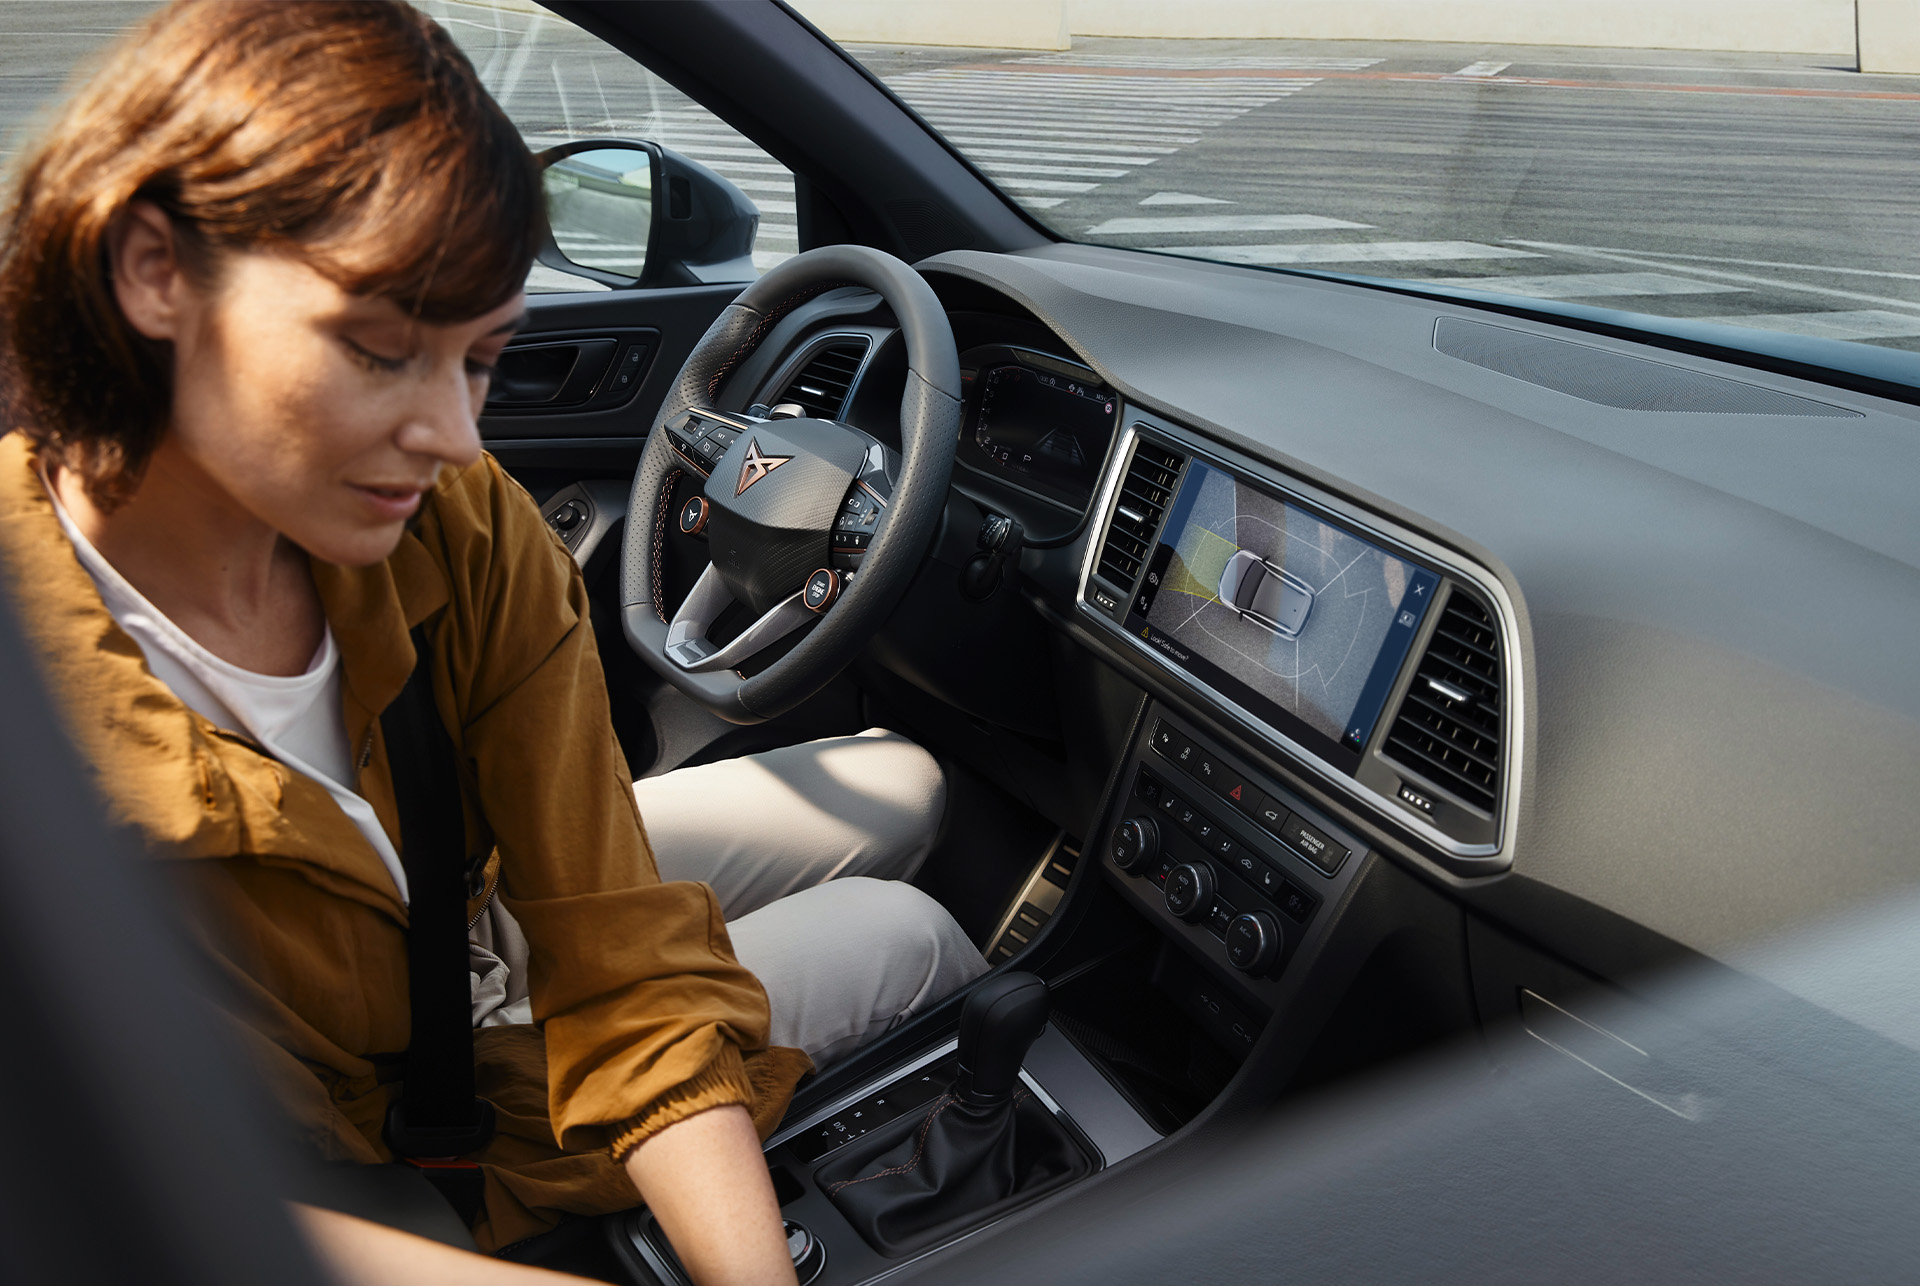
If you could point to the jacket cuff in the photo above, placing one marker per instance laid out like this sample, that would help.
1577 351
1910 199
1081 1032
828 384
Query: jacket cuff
721 1083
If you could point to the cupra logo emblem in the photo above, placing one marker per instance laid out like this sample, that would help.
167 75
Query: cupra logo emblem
757 466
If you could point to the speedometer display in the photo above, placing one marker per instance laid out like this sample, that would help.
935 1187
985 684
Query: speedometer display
1047 429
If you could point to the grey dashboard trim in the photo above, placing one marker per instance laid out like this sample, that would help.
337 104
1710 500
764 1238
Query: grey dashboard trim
1460 858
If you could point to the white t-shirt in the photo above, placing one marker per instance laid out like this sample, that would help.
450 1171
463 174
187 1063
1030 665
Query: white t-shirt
297 719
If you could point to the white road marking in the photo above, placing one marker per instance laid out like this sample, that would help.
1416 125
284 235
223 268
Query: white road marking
1045 185
1020 124
1867 323
1590 285
1050 150
1183 198
1483 69
542 280
1222 223
1078 171
1761 263
1177 62
1042 202
1350 252
1718 274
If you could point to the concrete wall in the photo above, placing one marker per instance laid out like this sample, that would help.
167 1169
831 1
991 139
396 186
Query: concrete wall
1791 26
1890 35
1800 26
995 24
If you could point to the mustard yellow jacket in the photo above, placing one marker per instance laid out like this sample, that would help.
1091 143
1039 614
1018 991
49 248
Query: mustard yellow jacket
642 1016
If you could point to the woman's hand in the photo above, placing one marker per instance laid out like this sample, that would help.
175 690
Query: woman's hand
706 1181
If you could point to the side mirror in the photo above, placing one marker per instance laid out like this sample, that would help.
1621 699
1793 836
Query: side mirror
638 214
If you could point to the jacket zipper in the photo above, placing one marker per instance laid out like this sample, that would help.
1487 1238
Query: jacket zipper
492 887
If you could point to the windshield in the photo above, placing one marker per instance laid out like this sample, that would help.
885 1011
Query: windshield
1759 189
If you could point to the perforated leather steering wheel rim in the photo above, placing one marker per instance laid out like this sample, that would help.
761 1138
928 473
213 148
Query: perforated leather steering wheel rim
930 409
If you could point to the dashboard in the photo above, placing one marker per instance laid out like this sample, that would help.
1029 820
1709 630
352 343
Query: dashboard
1576 601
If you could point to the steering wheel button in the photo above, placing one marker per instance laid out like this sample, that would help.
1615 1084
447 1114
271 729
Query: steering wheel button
693 515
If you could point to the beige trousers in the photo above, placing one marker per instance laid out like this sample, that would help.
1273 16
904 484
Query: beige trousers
808 849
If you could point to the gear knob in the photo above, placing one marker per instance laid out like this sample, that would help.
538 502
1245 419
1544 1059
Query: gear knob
1002 1018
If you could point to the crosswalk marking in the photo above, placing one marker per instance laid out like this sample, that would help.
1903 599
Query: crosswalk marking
1183 198
1042 185
1350 252
1865 323
1483 69
1046 137
1591 285
1221 223
1183 62
1116 154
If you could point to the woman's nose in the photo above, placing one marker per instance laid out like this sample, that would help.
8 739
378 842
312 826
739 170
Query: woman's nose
445 418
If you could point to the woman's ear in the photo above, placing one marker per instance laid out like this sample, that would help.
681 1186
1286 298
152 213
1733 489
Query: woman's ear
149 280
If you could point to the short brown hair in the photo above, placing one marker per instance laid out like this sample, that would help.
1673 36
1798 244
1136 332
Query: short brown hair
352 133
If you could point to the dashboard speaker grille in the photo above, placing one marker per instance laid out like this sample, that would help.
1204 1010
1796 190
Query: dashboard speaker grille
1145 492
1614 379
823 383
1447 730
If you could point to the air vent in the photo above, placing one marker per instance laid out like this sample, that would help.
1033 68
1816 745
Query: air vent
823 383
1448 726
1145 492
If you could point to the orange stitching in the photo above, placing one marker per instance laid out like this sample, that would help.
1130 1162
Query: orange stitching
939 1107
660 542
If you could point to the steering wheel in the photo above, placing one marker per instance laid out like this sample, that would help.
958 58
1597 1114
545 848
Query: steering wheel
809 523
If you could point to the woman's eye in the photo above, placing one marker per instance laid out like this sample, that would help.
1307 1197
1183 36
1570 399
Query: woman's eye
374 361
478 369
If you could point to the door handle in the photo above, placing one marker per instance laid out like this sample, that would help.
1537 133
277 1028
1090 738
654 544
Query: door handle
558 374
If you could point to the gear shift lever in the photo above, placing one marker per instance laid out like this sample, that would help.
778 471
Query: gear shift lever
1002 1018
978 1151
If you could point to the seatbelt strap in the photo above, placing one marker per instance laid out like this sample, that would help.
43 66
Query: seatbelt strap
437 1116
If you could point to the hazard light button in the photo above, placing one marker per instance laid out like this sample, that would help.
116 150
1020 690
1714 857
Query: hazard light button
1237 791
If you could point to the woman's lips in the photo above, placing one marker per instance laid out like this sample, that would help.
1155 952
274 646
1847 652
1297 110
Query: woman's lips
394 504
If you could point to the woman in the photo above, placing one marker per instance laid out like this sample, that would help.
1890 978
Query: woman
253 282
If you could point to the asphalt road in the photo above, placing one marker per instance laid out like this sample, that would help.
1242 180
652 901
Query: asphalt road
1770 190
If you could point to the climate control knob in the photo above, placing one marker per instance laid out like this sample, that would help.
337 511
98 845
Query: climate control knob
1136 843
1190 888
1253 941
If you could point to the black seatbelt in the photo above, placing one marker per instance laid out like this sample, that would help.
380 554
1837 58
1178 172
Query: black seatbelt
437 1116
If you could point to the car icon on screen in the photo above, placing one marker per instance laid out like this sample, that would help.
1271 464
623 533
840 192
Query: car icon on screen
1265 594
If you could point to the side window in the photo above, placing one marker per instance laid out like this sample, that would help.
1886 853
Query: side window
559 84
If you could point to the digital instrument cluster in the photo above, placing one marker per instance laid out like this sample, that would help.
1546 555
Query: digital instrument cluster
1037 421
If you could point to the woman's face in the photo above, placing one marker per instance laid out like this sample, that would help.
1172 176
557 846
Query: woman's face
321 414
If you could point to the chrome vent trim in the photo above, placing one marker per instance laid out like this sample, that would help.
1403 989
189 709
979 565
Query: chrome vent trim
1146 489
824 383
1447 732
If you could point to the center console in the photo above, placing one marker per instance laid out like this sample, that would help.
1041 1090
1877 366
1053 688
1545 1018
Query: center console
1367 656
1232 864
1062 1120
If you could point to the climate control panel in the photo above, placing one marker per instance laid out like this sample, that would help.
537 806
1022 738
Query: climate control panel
1235 864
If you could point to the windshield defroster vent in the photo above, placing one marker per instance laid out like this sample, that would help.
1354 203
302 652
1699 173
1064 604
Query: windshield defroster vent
1448 726
1145 493
823 383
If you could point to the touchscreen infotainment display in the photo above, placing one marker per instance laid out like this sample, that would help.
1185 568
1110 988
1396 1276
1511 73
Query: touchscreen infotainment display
1298 620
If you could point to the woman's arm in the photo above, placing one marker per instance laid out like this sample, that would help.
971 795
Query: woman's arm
704 1178
706 1181
358 1253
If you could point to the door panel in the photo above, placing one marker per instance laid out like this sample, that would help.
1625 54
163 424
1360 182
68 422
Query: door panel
651 331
